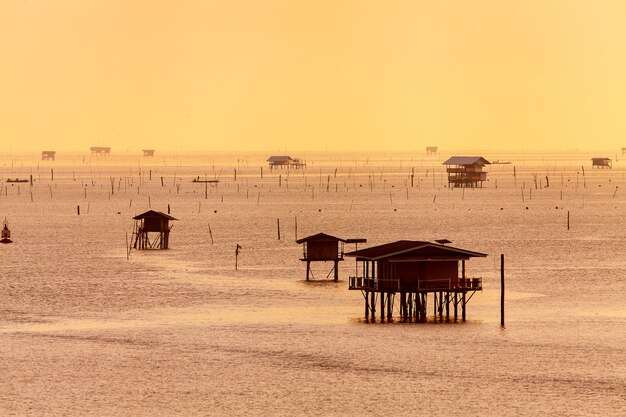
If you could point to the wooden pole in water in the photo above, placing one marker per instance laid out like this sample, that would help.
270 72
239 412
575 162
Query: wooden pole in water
278 225
502 290
567 219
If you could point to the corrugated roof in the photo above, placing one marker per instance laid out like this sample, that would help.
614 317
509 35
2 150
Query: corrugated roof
152 213
467 160
413 248
319 237
279 158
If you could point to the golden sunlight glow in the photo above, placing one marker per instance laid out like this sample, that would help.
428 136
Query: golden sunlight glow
312 75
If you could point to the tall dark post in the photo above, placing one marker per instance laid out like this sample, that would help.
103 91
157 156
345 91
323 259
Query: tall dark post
502 290
336 270
308 268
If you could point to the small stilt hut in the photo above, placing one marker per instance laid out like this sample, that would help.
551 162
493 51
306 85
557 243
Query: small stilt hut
48 155
431 150
100 150
412 270
153 222
148 152
322 248
601 163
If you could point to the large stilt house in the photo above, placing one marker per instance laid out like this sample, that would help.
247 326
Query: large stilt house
412 270
466 171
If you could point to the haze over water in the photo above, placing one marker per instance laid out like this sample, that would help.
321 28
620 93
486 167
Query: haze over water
86 331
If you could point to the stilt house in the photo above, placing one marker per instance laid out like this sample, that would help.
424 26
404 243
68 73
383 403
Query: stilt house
601 163
152 230
284 161
48 155
148 152
411 270
431 150
100 150
466 171
322 248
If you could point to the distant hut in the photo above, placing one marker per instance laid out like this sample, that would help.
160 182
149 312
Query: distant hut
48 155
323 247
279 161
412 270
601 163
466 171
623 151
297 163
148 152
153 222
100 150
431 150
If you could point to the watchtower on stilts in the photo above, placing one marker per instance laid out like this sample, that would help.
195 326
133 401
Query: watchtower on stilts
323 247
411 270
155 223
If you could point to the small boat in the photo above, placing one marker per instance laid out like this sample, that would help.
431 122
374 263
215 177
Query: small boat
6 233
17 180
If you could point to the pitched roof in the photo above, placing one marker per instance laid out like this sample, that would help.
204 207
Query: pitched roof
319 237
152 213
467 160
279 158
413 248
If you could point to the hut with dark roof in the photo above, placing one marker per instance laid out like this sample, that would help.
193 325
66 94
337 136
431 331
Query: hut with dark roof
148 152
152 230
323 248
48 155
431 150
279 161
601 163
412 270
100 150
466 171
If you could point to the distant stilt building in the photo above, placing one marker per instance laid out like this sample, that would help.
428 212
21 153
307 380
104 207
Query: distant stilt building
601 163
322 248
152 230
623 151
284 161
466 171
148 152
48 155
431 150
410 271
100 150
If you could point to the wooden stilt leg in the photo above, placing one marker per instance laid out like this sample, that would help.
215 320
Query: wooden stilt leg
402 302
382 307
447 306
367 307
336 271
389 306
373 305
410 306
463 307
456 312
308 268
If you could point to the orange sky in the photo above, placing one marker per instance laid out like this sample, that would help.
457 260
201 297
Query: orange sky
312 75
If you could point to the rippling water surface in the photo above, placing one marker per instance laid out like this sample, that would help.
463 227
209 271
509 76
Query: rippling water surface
84 331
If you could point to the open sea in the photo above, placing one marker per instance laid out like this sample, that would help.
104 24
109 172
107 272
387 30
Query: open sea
86 330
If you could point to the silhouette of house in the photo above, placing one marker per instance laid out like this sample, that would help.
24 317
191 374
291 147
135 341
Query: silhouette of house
100 150
48 155
412 270
148 152
601 163
152 230
466 171
431 150
282 161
